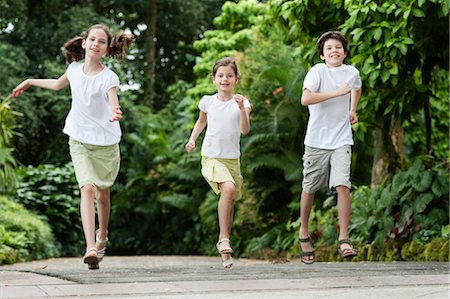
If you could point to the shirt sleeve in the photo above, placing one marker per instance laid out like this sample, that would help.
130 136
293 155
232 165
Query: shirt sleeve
113 81
312 79
69 70
356 79
203 105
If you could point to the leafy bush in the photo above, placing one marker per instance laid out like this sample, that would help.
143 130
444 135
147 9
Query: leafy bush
23 236
53 193
7 131
414 205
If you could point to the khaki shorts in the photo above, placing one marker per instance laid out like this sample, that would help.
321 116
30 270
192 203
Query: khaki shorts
326 168
216 171
95 165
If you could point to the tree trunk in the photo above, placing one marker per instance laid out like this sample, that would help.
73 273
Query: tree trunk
388 150
150 56
426 79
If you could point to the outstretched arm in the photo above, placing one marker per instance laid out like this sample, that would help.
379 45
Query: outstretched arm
53 84
309 97
354 100
200 124
114 102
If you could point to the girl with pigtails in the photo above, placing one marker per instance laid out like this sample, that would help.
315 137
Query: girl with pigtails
92 126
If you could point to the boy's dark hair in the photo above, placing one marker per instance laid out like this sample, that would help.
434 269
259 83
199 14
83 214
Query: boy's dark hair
331 35
73 50
226 61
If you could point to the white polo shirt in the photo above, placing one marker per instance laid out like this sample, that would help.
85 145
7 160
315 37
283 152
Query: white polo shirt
89 115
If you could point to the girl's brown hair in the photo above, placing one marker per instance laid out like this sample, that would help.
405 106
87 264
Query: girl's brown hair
226 61
73 50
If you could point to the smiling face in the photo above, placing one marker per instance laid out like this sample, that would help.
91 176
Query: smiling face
96 44
333 52
225 79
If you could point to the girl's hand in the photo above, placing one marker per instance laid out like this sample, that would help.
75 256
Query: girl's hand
20 88
116 114
190 146
240 101
353 117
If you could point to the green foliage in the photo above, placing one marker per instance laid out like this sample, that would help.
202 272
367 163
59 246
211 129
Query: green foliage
23 236
435 250
52 192
414 205
7 131
159 186
233 34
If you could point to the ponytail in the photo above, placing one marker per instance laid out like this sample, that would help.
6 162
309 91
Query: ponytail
73 50
118 45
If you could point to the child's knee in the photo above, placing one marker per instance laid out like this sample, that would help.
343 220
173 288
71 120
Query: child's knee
227 188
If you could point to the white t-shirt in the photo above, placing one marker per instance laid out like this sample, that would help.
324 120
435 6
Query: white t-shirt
329 124
89 115
223 132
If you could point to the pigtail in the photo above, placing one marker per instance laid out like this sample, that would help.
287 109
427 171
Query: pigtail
118 45
73 50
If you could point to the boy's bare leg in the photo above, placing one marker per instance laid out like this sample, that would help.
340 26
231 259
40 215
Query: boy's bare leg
87 212
225 212
344 206
306 202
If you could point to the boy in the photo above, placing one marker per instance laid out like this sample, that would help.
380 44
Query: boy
331 90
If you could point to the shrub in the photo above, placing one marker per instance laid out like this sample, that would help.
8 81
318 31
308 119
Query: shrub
53 193
23 236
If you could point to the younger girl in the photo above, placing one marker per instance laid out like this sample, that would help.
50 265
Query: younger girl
227 116
92 126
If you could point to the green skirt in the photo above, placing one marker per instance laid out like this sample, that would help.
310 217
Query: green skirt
216 171
95 165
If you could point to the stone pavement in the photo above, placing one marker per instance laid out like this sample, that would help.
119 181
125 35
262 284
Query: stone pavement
203 277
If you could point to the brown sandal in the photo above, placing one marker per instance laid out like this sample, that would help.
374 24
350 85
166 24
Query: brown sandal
304 254
347 252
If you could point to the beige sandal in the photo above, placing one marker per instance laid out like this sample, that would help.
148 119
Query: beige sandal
91 259
224 247
100 252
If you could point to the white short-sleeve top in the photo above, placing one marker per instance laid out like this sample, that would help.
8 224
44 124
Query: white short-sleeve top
329 121
90 112
223 132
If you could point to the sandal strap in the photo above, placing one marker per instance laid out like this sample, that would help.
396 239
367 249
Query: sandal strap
97 239
307 253
227 263
345 241
305 240
89 250
224 249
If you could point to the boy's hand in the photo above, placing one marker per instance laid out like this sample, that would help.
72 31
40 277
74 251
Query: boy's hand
190 146
240 101
344 89
353 117
116 114
20 88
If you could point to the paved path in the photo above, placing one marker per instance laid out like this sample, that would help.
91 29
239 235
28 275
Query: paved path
203 277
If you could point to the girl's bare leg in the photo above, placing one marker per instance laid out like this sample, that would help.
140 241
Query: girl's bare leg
225 212
87 211
103 210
